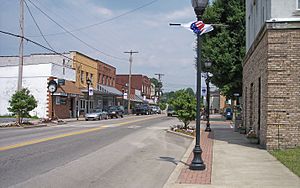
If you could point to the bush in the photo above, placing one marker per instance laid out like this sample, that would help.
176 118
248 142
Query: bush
185 106
21 103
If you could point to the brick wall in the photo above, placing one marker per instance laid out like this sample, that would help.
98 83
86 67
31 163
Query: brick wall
274 59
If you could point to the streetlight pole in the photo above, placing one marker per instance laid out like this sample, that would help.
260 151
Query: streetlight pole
129 79
197 162
207 80
88 82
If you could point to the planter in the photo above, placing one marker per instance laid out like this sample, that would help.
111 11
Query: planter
253 140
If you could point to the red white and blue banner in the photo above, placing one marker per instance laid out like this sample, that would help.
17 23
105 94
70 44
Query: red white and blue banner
199 27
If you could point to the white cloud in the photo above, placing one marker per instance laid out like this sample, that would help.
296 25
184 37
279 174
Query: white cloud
182 14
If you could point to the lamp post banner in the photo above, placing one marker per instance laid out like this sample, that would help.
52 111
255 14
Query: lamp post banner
198 27
91 91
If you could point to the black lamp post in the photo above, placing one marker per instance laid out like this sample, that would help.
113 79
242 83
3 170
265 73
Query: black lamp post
207 80
88 82
197 162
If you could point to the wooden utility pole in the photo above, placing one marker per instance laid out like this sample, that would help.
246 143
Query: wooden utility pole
160 75
129 79
21 47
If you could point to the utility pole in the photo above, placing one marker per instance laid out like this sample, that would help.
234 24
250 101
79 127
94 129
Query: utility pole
160 75
21 47
129 79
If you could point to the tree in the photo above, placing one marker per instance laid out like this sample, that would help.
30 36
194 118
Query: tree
225 46
185 106
21 103
158 85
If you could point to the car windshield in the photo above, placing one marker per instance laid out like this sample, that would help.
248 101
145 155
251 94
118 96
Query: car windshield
228 110
113 108
170 109
97 110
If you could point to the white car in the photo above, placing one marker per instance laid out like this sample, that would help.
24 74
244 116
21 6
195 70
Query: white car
97 114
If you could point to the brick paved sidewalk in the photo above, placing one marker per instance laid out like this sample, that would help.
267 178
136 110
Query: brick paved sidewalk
188 176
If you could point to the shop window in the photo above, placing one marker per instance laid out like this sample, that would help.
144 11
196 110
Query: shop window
57 100
82 104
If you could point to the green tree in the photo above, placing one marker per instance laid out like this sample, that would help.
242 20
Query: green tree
185 106
21 103
225 46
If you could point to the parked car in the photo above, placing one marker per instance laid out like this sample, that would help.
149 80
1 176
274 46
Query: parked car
96 114
155 110
143 109
171 111
228 113
115 111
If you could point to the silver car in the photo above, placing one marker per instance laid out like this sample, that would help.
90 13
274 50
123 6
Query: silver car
97 114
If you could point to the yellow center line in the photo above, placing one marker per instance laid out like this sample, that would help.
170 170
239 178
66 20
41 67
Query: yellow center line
35 141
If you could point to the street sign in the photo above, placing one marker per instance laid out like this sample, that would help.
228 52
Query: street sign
61 82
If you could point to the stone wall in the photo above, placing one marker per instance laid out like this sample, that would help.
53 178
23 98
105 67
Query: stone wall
271 86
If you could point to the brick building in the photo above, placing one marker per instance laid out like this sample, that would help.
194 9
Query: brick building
102 77
271 72
140 86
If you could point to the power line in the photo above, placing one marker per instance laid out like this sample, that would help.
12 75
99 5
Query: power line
88 45
42 46
106 21
37 25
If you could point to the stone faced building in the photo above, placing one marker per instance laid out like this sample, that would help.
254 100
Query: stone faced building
271 72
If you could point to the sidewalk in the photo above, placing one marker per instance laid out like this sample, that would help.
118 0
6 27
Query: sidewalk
231 162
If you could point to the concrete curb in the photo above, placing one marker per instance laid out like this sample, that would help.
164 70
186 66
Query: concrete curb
180 134
171 182
35 126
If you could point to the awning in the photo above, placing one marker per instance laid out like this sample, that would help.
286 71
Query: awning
108 90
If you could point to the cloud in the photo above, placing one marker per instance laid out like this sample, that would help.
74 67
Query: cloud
182 14
103 11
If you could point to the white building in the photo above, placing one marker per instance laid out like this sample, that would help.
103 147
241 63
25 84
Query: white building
37 70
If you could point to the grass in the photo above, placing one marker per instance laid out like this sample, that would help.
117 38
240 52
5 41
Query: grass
7 116
290 158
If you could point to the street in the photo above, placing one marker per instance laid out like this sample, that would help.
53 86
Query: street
135 151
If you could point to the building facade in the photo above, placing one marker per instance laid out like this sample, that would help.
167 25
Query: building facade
72 72
271 72
38 69
102 82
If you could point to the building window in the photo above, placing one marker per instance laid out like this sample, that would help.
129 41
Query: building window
91 78
298 4
64 67
81 76
251 105
86 76
103 80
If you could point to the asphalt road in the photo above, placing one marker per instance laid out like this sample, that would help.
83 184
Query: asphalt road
131 152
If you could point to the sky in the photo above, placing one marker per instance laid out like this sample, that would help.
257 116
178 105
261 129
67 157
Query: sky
109 28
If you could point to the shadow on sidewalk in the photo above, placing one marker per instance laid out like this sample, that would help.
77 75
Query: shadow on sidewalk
228 135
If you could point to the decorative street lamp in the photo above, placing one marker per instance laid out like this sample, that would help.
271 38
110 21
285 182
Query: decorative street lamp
207 80
197 162
52 87
88 82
